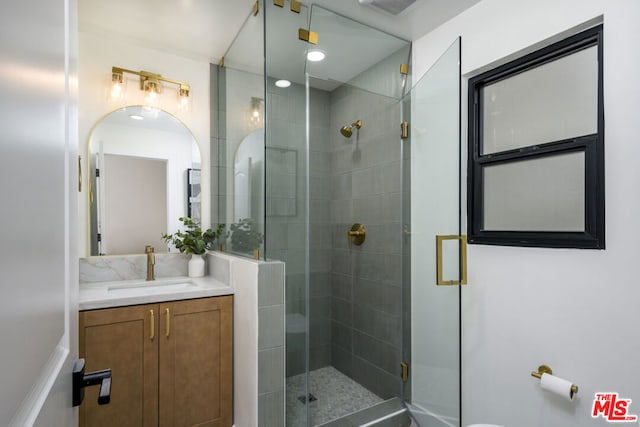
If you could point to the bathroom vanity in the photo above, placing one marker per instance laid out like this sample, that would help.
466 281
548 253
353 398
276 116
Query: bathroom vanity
174 368
169 345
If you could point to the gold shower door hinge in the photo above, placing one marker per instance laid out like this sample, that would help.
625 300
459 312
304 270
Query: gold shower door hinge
404 69
404 130
404 371
279 3
256 8
308 36
295 6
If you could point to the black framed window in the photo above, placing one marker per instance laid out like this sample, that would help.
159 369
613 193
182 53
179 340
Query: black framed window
536 148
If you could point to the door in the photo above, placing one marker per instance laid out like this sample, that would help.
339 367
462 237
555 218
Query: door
432 245
38 186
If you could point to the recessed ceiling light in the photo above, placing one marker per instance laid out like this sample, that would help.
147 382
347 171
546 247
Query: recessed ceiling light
315 55
283 83
136 117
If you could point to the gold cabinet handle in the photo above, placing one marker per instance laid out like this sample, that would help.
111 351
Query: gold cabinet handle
152 332
168 322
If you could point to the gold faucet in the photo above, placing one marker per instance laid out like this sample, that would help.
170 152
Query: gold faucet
151 262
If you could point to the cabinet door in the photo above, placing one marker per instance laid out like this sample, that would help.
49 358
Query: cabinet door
196 377
125 340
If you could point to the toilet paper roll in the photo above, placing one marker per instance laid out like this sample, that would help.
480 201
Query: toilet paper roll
556 385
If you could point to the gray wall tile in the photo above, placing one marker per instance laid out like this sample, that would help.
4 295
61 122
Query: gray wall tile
271 409
272 284
366 280
271 370
271 326
355 293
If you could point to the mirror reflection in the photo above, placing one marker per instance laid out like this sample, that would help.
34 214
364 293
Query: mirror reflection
144 167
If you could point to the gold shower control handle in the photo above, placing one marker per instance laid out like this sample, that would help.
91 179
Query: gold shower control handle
357 234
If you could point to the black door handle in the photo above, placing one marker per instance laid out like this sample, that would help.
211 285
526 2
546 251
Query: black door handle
82 380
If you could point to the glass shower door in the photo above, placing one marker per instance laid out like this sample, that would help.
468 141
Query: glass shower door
433 249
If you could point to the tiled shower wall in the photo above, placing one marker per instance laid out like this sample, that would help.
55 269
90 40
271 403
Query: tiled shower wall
366 292
355 292
286 234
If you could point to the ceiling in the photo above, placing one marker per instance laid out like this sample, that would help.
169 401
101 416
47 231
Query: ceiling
204 29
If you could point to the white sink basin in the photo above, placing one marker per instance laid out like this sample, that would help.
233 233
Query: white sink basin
150 288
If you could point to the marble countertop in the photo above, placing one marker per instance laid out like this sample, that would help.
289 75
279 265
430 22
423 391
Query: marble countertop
133 292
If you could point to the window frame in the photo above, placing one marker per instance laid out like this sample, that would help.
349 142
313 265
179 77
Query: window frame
593 236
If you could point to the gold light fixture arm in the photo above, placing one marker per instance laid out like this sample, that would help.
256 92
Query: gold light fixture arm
145 76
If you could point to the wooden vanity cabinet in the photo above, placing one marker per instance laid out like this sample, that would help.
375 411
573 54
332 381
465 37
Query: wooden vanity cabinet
119 338
196 357
171 363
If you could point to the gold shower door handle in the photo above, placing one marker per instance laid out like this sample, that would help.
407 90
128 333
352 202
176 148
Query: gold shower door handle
463 260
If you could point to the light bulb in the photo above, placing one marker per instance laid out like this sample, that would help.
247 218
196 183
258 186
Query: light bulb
184 101
256 113
117 88
152 98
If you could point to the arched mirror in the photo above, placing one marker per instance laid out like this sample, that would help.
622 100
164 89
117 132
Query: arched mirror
144 167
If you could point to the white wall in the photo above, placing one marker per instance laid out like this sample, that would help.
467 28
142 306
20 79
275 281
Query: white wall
575 310
97 54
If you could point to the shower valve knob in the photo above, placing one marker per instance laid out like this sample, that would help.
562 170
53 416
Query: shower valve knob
357 234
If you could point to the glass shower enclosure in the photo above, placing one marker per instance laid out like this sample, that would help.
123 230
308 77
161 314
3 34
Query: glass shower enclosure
315 168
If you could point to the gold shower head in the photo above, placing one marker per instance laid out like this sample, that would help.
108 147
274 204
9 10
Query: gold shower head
347 130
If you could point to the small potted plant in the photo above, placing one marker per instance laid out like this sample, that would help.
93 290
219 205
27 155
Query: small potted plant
195 242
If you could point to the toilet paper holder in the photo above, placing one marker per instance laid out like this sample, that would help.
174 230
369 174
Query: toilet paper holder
544 369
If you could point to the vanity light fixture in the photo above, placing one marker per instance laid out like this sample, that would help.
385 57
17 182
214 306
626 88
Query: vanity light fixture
152 84
118 87
256 114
